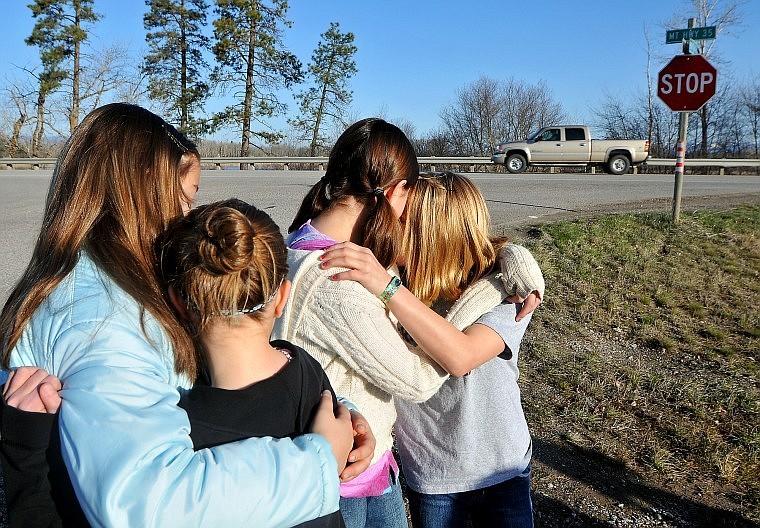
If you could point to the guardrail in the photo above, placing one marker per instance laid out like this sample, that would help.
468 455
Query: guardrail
34 163
252 162
723 163
321 162
429 162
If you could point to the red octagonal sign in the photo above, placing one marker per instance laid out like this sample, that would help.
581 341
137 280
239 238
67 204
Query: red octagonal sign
686 83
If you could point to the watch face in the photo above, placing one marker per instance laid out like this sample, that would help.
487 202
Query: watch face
393 285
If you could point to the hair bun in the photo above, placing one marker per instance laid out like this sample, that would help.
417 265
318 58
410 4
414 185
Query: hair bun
228 245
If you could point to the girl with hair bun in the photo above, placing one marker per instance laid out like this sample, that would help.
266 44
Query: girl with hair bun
224 265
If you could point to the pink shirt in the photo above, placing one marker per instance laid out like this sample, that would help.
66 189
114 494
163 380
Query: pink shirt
373 481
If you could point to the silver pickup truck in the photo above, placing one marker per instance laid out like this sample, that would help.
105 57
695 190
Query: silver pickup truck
570 145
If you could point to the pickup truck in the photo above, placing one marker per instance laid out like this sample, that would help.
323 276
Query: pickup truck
569 145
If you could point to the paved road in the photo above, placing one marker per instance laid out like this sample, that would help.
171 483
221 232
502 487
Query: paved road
513 199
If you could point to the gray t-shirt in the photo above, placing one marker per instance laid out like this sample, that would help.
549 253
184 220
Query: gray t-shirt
472 433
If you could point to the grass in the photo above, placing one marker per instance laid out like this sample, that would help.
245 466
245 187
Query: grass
646 348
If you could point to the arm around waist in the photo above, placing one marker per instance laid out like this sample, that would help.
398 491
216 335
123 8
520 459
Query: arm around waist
126 445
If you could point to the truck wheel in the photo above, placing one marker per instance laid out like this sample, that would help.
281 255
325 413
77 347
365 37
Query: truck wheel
516 163
618 164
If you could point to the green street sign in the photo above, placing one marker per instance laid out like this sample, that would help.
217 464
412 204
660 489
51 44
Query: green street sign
676 36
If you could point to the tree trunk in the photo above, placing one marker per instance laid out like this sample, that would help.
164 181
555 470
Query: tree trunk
320 111
17 126
39 128
650 96
247 100
703 116
74 112
183 72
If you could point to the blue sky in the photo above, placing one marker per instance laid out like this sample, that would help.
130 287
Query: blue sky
413 56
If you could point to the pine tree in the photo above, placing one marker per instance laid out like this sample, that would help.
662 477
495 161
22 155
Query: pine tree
59 33
332 65
175 64
253 65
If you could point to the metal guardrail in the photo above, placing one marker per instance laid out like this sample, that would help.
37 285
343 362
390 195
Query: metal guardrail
707 162
321 162
430 162
34 163
253 161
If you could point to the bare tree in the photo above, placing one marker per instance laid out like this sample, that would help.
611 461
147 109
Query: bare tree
104 73
488 111
435 143
18 101
615 118
749 100
650 96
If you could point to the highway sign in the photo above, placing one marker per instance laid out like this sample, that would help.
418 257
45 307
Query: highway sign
676 36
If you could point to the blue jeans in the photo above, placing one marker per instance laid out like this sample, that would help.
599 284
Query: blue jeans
506 505
383 511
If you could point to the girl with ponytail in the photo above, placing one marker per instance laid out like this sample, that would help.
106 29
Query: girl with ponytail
356 210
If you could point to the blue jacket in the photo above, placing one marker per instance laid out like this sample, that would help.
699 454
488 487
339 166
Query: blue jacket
125 441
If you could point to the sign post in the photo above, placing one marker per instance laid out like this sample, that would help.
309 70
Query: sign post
685 84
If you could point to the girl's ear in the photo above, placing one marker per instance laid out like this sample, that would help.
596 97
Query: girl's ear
281 298
176 299
397 196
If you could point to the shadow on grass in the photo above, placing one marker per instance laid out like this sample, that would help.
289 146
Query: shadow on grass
611 479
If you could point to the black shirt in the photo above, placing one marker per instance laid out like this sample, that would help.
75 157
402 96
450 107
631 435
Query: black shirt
39 492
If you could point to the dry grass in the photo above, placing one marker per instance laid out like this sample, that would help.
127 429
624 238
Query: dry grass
646 349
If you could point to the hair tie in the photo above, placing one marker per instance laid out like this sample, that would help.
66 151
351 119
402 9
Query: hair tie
174 139
326 188
378 191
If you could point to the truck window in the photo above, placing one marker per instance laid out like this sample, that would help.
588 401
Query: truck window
549 135
575 134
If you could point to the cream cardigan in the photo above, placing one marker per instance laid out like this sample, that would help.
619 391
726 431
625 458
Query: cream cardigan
349 331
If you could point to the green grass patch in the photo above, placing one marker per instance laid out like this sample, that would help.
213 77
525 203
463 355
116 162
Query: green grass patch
646 346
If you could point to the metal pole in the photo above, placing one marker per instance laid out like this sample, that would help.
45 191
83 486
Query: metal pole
683 127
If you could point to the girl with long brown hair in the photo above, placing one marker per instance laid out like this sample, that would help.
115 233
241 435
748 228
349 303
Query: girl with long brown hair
90 309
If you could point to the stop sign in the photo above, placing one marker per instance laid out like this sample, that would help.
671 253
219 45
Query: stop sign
686 83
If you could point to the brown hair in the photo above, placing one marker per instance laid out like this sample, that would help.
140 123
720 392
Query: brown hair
116 185
370 155
224 259
446 238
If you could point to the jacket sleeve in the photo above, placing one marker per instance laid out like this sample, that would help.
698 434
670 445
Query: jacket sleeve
126 444
25 439
368 341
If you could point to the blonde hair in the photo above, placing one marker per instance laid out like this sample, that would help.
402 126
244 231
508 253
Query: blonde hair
225 259
446 239
116 185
